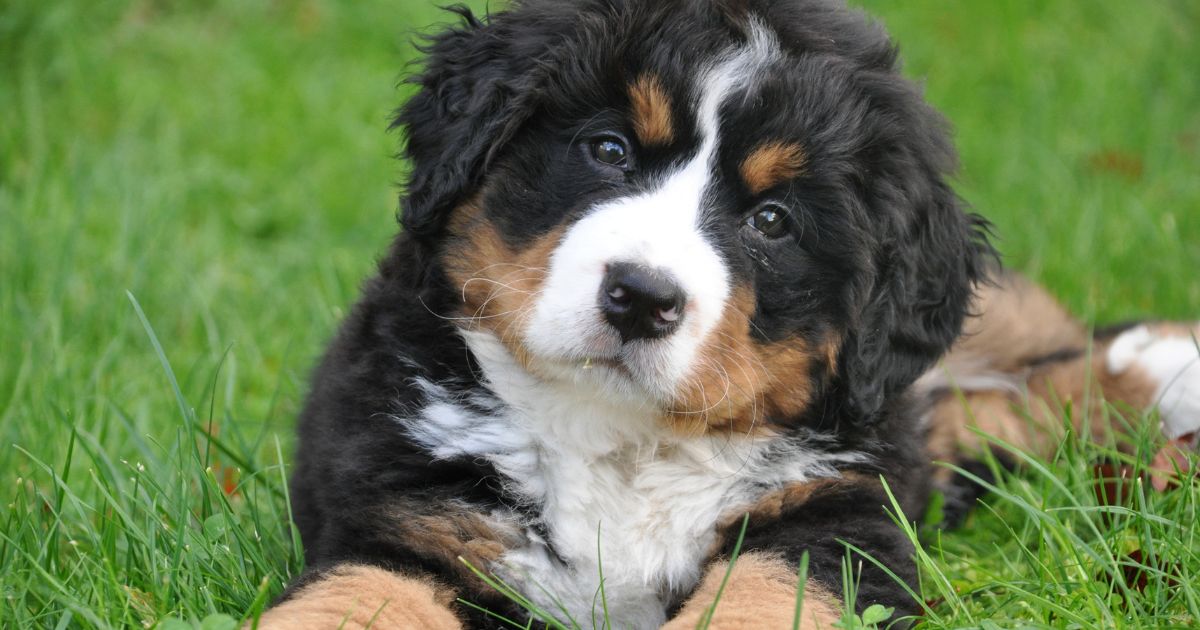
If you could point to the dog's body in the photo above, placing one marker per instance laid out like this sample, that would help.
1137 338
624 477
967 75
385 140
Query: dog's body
666 264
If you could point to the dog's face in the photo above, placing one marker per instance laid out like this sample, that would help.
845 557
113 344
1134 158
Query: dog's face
729 210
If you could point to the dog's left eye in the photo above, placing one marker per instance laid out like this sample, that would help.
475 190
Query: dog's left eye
611 150
770 219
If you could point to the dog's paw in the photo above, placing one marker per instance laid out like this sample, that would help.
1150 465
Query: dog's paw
1169 355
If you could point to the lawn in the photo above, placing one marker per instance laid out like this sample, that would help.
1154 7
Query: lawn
192 190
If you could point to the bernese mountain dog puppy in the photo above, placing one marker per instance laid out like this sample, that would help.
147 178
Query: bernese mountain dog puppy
663 265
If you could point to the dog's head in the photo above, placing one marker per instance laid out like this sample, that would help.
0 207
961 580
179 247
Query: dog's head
731 209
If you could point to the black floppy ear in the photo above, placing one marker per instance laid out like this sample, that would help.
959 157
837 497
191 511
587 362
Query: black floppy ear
927 253
925 278
475 91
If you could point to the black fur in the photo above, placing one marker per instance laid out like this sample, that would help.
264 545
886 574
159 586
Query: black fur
882 255
352 459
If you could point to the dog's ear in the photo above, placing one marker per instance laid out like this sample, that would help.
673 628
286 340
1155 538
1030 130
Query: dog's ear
914 310
475 92
928 258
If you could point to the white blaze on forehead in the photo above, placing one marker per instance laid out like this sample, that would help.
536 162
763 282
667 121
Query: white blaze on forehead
660 228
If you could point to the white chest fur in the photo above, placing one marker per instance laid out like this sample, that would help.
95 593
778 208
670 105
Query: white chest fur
614 488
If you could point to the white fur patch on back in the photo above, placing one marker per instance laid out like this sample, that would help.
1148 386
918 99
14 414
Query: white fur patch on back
1173 362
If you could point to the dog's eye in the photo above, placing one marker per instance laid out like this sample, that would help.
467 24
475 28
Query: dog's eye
611 150
770 219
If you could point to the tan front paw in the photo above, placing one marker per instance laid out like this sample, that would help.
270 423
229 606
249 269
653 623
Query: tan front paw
355 596
760 593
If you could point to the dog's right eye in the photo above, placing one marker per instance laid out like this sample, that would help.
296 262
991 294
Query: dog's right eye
611 150
770 220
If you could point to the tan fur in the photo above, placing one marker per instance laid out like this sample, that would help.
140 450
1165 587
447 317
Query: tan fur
771 164
739 382
355 596
450 535
1087 384
774 504
498 285
652 119
1014 321
1184 330
760 593
1017 323
998 414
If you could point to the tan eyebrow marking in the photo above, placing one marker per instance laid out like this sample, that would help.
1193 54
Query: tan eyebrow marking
772 163
652 120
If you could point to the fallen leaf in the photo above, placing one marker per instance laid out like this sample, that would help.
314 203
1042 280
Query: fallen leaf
1123 163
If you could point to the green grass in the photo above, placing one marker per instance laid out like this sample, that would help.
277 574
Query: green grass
225 163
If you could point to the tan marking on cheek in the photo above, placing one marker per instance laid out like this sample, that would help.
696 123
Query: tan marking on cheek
652 119
772 164
738 383
789 364
498 286
725 388
759 593
357 596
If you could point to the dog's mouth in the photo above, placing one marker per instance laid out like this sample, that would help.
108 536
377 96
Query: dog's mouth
607 368
644 369
624 360
591 363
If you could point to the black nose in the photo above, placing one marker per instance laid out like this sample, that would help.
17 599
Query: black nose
639 302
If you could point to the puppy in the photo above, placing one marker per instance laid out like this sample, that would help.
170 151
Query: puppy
666 266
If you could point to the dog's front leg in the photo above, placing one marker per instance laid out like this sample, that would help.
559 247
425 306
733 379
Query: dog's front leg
760 593
819 518
358 596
